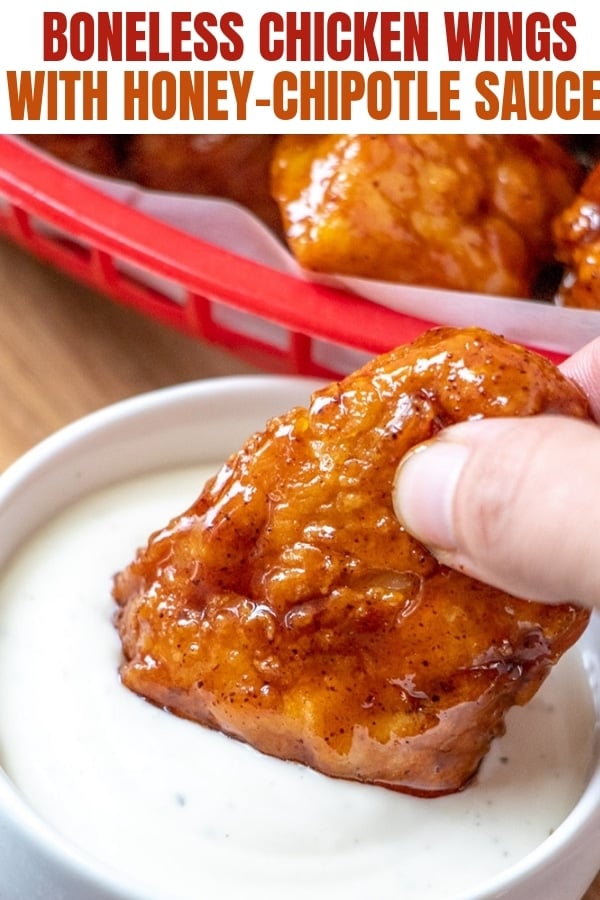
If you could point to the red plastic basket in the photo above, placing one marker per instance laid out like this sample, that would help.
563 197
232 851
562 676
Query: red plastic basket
92 237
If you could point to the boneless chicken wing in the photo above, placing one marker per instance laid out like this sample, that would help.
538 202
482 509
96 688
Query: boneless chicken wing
289 608
577 233
467 212
230 166
98 153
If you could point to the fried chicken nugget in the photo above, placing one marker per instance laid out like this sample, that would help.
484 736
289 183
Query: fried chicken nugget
467 212
289 608
577 234
97 153
232 166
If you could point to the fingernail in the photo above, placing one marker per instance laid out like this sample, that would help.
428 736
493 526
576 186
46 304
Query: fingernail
424 490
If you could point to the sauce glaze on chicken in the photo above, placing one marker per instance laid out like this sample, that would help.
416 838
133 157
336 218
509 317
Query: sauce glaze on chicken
288 608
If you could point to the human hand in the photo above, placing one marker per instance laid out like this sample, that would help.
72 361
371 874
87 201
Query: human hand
514 502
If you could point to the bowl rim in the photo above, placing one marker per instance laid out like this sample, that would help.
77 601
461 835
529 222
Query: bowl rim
584 815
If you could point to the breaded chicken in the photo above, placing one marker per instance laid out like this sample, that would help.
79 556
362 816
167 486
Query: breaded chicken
97 153
466 212
231 166
577 234
289 608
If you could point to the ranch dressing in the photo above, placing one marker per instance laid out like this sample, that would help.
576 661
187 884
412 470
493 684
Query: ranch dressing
184 812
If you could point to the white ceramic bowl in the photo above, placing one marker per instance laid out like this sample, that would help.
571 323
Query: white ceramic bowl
178 427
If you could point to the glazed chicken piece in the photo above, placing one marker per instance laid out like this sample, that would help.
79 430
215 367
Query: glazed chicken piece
231 166
577 234
466 212
288 607
97 153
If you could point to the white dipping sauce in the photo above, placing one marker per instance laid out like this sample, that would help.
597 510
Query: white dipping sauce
185 812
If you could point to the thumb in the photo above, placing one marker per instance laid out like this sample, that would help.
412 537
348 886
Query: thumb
512 502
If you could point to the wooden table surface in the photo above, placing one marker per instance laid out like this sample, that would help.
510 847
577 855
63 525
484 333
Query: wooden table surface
65 351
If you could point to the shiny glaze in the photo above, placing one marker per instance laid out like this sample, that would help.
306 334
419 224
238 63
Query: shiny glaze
465 212
289 608
577 234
